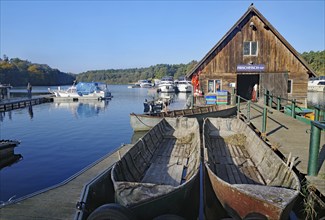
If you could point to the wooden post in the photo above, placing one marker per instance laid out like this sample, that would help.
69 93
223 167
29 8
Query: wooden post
233 96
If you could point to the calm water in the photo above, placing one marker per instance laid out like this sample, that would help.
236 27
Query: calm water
60 139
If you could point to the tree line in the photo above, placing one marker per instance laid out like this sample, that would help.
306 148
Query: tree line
125 76
17 72
316 60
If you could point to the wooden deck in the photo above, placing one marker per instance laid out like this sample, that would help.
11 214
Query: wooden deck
59 202
291 136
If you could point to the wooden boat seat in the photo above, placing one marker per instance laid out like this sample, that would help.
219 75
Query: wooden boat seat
169 164
232 163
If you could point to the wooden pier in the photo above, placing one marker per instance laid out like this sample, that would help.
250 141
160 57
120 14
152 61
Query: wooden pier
59 202
291 138
11 104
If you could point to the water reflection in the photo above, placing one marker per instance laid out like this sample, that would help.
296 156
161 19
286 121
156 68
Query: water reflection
30 111
84 108
137 135
7 155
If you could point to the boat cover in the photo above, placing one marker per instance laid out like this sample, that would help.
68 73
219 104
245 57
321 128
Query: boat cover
86 88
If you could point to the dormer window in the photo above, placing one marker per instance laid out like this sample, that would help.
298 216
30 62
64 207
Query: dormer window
250 48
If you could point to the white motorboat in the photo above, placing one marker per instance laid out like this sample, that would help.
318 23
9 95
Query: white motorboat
93 90
142 84
145 83
317 84
184 86
167 84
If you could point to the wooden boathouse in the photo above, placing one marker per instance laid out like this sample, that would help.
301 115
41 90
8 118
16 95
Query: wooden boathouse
253 55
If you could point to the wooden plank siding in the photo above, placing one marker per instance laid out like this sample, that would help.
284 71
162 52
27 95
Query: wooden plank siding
274 52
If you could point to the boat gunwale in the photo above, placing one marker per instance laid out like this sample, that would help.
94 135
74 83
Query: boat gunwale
169 113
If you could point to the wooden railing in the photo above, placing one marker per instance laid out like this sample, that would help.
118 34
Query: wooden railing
250 105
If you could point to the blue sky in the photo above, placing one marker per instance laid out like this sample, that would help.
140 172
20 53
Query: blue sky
76 36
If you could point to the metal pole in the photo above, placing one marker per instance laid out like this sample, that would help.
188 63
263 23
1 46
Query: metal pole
238 106
278 106
293 108
270 100
313 150
248 111
265 96
317 111
264 121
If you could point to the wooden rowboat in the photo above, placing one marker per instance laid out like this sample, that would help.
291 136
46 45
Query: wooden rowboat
144 122
248 178
159 175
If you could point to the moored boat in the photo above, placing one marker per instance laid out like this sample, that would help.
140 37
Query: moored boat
184 86
166 85
93 90
144 122
153 105
159 175
146 83
317 84
248 178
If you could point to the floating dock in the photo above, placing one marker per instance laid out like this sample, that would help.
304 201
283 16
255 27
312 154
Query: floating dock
76 99
11 104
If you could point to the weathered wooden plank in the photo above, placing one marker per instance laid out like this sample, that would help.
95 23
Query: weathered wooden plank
222 171
236 174
230 174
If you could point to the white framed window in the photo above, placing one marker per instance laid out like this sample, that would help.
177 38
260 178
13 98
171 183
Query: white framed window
289 90
250 48
214 85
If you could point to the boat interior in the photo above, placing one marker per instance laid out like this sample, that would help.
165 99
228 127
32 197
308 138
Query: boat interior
238 156
163 159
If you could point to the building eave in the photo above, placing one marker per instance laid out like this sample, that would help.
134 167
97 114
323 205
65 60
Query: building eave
254 11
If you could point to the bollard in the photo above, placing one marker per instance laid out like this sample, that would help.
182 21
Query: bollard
313 149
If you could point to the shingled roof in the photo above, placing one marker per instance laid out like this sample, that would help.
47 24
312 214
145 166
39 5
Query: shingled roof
251 12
